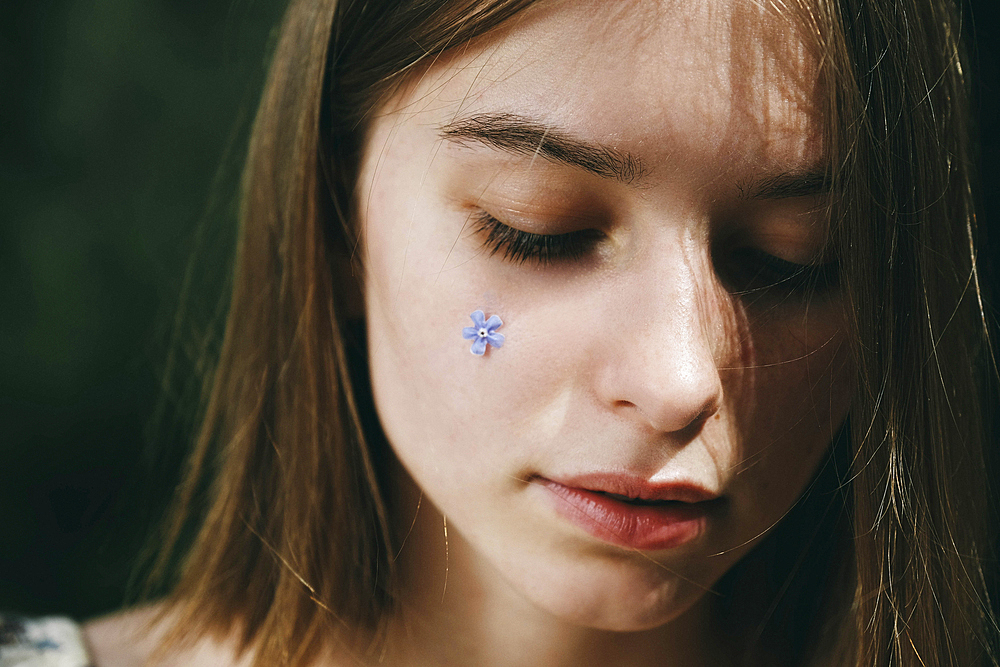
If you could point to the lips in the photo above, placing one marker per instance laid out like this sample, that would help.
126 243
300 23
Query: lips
631 512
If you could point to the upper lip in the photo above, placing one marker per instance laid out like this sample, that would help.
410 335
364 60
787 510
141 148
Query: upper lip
636 487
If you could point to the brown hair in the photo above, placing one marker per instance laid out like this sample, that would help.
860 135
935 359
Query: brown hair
918 471
294 547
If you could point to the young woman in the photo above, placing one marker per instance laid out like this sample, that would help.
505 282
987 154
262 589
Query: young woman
713 264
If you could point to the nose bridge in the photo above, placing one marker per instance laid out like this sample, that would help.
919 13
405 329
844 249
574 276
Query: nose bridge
669 369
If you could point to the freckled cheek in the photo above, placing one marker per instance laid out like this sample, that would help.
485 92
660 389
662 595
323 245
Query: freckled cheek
445 411
420 380
803 392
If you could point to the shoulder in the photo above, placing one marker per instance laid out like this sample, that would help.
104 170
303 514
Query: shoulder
131 639
124 639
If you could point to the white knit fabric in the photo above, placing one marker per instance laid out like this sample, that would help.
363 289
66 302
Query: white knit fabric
41 642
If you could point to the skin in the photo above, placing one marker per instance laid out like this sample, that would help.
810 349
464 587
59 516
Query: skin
640 356
637 356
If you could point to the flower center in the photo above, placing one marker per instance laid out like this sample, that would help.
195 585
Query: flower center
482 333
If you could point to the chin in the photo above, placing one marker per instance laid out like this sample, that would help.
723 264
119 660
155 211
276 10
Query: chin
621 598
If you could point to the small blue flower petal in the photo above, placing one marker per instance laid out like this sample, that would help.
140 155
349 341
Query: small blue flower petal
484 332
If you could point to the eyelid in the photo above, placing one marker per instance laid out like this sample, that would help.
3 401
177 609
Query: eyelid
775 274
778 262
519 246
796 239
543 220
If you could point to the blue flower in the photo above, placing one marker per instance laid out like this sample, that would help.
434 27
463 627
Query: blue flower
484 332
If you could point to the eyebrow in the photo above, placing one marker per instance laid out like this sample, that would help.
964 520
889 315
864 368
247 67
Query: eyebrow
524 136
786 185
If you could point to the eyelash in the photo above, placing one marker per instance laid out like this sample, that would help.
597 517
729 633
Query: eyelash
519 246
748 270
751 270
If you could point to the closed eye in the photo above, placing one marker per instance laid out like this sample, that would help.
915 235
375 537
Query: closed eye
518 246
750 270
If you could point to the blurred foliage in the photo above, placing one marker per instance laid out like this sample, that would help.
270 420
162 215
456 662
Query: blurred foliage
123 124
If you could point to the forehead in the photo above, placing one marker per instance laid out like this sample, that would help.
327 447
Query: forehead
684 82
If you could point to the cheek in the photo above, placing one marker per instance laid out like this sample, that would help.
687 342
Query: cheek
417 378
436 400
446 409
431 393
803 384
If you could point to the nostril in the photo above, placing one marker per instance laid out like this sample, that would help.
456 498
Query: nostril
672 416
668 376
702 418
712 402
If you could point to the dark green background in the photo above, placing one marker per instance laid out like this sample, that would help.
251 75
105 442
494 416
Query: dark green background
116 120
115 117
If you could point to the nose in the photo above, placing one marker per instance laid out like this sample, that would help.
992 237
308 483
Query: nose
663 368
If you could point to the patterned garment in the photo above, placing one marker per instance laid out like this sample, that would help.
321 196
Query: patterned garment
41 642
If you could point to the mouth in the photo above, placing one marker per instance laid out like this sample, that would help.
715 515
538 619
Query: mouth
637 501
632 513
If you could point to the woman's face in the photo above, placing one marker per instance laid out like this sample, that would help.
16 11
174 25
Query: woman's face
637 191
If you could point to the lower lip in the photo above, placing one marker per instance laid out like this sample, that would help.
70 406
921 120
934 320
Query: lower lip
645 527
